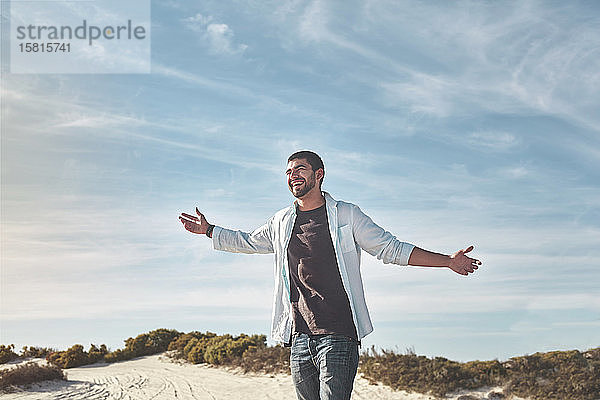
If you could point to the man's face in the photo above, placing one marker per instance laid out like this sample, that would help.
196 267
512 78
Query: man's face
301 178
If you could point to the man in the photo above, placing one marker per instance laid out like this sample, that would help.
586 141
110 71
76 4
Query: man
319 307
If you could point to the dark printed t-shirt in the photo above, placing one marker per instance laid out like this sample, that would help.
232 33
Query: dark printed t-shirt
319 302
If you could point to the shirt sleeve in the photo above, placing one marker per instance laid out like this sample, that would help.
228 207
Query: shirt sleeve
377 241
259 241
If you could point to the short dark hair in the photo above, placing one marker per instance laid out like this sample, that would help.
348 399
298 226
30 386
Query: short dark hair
312 158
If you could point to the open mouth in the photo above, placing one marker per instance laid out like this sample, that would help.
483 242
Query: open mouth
296 182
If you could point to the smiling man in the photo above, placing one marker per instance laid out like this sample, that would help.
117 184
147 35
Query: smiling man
319 307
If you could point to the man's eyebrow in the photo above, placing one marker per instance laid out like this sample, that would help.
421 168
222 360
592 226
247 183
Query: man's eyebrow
287 171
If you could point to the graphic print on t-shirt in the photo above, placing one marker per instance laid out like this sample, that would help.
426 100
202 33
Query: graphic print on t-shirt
319 302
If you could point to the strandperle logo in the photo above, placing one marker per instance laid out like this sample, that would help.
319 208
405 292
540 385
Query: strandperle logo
79 36
83 32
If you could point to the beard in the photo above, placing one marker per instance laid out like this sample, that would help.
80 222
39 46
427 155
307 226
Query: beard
302 190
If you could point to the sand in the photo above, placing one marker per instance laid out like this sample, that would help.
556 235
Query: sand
158 377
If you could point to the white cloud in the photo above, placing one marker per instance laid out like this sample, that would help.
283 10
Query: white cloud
197 22
219 37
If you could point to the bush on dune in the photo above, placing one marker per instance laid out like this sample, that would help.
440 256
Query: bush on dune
250 353
7 354
197 347
270 360
437 376
551 375
119 355
96 354
144 344
75 356
191 346
152 342
28 373
36 352
541 376
228 348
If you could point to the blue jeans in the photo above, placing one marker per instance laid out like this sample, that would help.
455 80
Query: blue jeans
323 366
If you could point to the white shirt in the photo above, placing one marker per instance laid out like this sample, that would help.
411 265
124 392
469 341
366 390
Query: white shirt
351 230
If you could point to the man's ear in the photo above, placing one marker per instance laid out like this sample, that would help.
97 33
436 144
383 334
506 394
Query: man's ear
319 174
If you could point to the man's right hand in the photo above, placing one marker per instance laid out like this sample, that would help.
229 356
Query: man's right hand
194 224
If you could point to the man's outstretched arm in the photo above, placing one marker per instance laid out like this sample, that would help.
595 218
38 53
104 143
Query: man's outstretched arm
257 241
459 262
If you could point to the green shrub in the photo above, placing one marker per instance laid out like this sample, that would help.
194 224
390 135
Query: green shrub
152 342
75 356
145 344
197 347
96 354
28 373
191 346
178 345
7 354
216 351
119 355
36 352
195 352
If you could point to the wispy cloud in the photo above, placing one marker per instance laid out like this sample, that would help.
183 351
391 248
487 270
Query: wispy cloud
522 63
422 95
112 126
493 140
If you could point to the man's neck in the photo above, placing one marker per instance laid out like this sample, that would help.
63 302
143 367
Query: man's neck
311 200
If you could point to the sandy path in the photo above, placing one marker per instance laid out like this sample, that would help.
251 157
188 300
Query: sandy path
157 377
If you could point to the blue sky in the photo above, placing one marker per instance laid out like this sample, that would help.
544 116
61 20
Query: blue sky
449 123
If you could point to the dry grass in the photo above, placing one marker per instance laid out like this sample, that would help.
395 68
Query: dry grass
437 376
556 375
270 360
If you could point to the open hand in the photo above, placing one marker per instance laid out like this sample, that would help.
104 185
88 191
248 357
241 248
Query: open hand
462 264
194 224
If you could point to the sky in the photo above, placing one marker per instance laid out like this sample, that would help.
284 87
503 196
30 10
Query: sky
448 123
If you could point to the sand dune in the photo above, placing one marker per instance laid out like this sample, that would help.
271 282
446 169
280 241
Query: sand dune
158 377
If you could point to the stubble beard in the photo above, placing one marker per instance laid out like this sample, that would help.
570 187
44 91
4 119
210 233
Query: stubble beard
309 184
